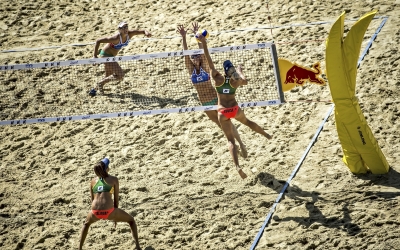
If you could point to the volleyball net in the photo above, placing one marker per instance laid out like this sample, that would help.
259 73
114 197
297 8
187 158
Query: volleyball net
157 83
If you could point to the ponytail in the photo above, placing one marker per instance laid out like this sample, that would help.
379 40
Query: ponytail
100 170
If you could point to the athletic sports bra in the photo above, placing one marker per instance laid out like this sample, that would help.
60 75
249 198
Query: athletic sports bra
226 87
102 187
120 45
198 78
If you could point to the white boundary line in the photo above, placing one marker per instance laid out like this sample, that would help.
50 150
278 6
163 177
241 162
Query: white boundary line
132 57
132 113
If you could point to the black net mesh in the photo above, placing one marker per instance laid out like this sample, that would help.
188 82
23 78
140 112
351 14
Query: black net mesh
147 84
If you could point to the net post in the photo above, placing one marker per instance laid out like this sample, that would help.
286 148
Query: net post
274 56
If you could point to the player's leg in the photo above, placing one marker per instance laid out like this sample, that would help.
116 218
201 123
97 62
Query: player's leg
213 115
118 72
241 117
243 150
119 215
90 219
114 72
227 127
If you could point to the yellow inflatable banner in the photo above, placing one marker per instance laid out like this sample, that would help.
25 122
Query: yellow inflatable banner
361 152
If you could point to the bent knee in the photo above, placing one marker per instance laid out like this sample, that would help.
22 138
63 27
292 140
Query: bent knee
131 221
231 145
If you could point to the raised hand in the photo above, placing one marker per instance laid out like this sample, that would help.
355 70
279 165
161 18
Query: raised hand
202 38
195 27
181 30
239 73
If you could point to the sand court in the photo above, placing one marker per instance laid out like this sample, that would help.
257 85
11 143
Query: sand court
176 175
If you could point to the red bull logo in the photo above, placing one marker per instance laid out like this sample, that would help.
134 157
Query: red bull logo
293 75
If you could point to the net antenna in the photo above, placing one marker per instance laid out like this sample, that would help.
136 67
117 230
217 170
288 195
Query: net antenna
269 20
149 84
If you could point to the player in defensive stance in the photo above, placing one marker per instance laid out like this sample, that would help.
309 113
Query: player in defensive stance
113 45
228 108
199 69
102 188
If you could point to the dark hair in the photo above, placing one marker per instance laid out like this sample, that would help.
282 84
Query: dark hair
100 169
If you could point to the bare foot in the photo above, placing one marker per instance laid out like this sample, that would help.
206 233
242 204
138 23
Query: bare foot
242 174
243 151
269 136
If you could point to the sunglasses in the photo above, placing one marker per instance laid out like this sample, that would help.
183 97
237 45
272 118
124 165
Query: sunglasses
124 28
194 56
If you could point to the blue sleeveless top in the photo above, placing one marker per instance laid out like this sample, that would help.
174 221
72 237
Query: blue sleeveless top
120 45
198 78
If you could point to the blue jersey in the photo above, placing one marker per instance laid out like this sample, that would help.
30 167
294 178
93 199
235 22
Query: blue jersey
198 78
120 45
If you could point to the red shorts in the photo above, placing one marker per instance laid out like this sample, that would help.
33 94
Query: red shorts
102 214
229 112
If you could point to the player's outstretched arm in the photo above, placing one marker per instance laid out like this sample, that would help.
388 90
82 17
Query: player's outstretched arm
91 192
239 76
195 28
110 39
214 72
182 31
139 32
116 193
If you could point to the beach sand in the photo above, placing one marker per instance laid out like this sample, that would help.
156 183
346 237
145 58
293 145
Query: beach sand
176 175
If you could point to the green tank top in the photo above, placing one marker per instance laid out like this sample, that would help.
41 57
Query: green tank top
226 87
102 187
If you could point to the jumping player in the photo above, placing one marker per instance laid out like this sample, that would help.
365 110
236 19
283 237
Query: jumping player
103 207
198 69
228 108
113 45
